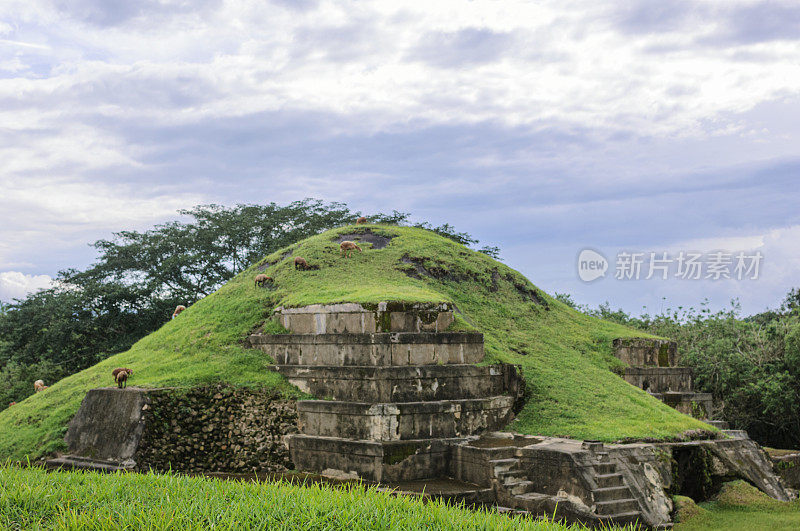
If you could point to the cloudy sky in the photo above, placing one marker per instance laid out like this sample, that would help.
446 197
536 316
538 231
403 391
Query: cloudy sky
543 127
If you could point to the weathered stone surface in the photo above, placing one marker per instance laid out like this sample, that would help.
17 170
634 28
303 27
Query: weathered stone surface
403 420
589 483
403 384
646 352
217 429
788 468
737 457
371 349
660 379
593 483
206 429
697 405
372 460
358 319
108 425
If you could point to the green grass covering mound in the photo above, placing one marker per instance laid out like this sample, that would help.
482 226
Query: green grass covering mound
739 505
565 355
34 499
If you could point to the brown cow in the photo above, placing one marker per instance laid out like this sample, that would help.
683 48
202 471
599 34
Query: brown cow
120 375
348 247
263 279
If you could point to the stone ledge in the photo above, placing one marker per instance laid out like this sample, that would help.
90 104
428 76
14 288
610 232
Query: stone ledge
379 461
403 384
646 352
379 338
356 318
660 379
404 420
371 349
689 402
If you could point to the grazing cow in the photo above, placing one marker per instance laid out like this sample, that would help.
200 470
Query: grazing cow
263 279
348 247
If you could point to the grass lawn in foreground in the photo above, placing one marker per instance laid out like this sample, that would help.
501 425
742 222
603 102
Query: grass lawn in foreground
33 498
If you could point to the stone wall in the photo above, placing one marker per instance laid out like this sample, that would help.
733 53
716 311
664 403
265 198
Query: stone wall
203 429
788 468
221 428
352 318
371 349
108 425
660 379
645 352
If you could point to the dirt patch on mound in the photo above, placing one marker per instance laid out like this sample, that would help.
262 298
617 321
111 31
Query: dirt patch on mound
267 263
442 273
378 241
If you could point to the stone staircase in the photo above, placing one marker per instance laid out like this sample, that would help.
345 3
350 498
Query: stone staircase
613 499
393 388
653 367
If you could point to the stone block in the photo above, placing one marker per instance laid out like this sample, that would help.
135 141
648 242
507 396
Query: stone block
403 421
379 461
403 384
646 352
660 379
350 318
371 349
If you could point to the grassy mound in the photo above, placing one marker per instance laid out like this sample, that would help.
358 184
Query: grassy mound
566 356
739 505
33 499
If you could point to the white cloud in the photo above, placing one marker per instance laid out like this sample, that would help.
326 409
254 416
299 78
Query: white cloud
16 285
113 114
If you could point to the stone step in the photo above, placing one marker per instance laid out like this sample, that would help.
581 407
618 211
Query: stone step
382 349
403 384
698 405
404 420
609 480
510 475
504 465
646 352
660 379
719 424
519 487
74 462
605 468
381 461
360 319
616 507
611 493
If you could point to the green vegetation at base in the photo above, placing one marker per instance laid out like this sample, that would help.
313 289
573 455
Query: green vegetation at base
32 498
565 355
739 505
